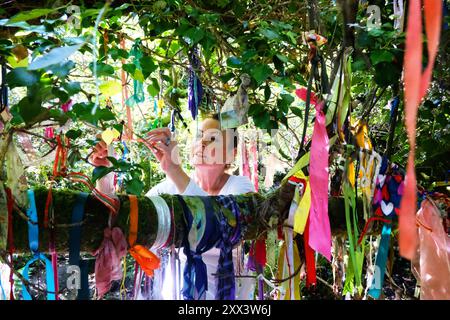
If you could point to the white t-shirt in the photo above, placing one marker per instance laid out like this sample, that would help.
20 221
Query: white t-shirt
235 185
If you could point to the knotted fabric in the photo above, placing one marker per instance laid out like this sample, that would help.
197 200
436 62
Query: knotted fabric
230 230
203 233
109 255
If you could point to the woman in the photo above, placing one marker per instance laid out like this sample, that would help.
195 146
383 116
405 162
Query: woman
211 155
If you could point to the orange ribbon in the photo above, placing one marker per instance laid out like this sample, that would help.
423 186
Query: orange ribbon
416 85
146 259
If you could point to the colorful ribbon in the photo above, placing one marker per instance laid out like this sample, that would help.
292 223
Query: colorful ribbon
416 85
203 233
33 238
320 232
230 230
75 243
146 259
195 89
109 255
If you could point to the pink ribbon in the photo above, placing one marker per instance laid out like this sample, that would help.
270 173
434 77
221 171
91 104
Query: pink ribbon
107 264
319 223
416 85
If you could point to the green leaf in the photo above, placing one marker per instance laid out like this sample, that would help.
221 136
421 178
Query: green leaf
30 108
255 109
100 172
134 186
269 34
267 93
148 66
103 69
110 88
234 62
379 56
72 87
74 134
21 77
61 70
297 112
226 77
153 89
194 34
28 15
129 67
54 56
260 73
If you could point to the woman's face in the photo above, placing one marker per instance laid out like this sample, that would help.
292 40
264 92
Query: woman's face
211 147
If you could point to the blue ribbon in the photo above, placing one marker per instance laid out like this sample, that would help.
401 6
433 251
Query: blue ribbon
75 243
33 239
380 264
195 272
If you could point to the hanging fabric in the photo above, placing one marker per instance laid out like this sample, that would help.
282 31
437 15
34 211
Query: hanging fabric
33 238
386 203
399 15
195 89
203 234
254 152
320 232
75 244
230 229
146 259
107 264
289 258
164 223
245 166
353 275
138 86
431 266
416 85
11 249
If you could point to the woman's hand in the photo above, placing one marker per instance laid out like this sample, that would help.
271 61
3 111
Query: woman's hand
164 149
99 156
166 152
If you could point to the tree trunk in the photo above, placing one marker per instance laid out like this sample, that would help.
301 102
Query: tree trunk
256 209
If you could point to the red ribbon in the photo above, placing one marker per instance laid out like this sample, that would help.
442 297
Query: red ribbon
310 259
416 85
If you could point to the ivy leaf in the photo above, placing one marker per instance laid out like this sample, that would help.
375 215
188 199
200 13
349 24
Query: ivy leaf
260 73
379 56
54 56
21 77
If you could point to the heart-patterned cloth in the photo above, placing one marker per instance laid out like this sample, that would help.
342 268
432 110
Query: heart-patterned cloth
388 191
